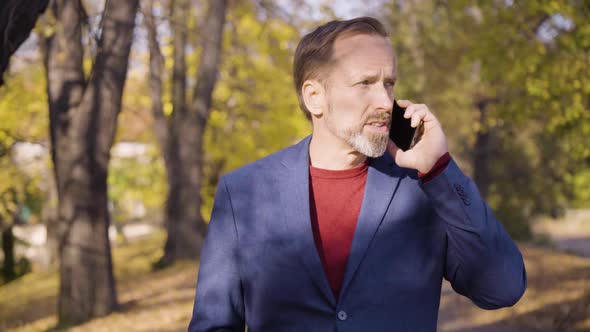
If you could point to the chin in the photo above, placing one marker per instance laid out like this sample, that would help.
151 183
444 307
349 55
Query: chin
375 154
372 148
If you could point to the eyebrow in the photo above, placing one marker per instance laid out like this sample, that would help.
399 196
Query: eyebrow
373 77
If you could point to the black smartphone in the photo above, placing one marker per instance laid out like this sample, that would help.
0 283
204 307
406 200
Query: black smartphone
401 131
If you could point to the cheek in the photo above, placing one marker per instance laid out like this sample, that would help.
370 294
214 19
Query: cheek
349 107
345 115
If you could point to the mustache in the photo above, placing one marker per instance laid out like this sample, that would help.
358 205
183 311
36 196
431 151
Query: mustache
379 117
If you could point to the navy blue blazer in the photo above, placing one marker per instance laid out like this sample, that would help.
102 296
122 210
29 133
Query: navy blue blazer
260 267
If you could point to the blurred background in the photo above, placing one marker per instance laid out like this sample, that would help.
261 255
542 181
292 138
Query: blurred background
117 119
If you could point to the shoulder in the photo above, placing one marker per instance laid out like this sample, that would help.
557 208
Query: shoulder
263 167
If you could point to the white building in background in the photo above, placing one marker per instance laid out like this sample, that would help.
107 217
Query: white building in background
31 156
35 238
130 150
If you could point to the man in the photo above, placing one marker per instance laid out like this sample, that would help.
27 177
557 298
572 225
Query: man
344 231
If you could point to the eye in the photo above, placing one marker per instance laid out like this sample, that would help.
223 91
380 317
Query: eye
389 84
365 82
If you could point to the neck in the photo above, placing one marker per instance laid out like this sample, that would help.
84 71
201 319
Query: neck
327 151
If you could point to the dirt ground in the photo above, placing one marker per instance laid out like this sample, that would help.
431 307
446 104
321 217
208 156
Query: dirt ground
459 314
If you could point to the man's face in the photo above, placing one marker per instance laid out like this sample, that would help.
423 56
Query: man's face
359 94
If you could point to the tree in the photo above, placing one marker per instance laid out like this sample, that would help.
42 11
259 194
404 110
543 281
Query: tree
181 135
83 114
499 76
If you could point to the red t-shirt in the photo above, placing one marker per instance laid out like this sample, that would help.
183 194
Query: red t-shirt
335 202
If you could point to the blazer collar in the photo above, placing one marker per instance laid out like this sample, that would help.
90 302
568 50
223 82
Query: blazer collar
382 183
296 207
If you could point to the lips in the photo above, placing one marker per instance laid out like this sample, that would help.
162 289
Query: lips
378 125
378 122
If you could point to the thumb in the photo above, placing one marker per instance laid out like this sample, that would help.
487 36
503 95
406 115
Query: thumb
402 158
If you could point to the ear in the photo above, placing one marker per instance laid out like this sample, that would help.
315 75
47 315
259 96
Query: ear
314 96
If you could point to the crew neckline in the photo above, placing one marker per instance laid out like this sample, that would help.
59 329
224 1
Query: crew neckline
339 174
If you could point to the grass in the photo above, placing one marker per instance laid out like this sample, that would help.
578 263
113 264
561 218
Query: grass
150 300
557 298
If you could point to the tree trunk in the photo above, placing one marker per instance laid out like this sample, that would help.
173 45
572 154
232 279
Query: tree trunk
173 213
185 225
165 136
8 267
83 115
482 151
156 71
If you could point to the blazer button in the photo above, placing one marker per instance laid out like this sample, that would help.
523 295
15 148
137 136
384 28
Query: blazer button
459 189
342 315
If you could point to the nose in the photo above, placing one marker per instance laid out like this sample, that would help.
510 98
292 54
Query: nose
384 98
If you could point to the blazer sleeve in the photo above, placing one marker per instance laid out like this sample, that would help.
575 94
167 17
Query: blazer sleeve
482 261
219 302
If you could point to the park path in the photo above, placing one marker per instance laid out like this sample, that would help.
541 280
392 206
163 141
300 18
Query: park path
459 314
570 233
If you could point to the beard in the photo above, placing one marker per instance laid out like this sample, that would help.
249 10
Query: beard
370 144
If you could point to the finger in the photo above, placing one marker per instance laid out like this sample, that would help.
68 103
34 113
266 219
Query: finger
411 109
404 103
418 116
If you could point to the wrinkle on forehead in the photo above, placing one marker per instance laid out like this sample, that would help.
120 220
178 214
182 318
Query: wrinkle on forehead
364 55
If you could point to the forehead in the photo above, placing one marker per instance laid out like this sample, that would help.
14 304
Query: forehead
363 54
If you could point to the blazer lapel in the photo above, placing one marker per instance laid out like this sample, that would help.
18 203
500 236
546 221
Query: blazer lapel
295 201
382 183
